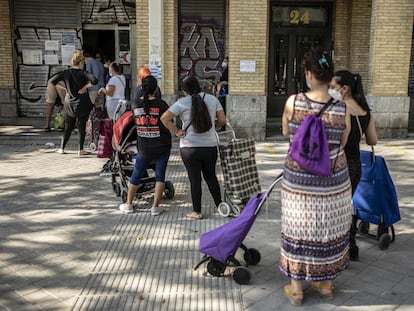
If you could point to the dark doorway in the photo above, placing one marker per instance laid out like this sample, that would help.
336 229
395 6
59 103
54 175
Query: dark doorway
294 29
102 41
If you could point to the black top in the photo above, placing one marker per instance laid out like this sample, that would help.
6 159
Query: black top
225 75
354 138
74 80
153 138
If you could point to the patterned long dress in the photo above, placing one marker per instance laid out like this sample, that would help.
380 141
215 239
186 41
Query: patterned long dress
316 210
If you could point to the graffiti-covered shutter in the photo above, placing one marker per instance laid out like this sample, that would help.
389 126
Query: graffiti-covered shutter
202 39
39 26
46 12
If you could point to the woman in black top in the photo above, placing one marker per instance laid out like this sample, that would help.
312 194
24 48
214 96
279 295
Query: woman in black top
77 104
347 87
153 142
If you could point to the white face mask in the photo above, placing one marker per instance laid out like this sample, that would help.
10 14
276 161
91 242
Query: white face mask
308 84
335 94
224 64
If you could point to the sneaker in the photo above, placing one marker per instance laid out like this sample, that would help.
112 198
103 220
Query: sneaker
82 153
194 215
126 208
60 151
155 211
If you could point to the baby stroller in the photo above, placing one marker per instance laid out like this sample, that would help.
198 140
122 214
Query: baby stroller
220 245
122 162
375 201
238 163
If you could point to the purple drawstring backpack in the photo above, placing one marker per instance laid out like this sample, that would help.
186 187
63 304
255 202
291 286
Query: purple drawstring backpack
309 147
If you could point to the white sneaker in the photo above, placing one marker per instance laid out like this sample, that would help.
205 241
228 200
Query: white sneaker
126 208
155 211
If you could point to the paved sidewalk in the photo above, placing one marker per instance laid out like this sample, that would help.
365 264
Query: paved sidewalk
65 246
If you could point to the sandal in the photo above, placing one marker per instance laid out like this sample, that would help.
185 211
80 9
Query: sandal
194 215
295 298
324 294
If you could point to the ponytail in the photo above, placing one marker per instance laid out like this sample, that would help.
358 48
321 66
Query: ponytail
358 93
200 116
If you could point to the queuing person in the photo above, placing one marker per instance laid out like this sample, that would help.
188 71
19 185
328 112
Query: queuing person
316 210
77 104
153 142
95 67
199 113
223 86
347 87
114 90
142 73
54 95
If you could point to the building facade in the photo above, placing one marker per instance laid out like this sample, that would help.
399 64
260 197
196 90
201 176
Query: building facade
264 41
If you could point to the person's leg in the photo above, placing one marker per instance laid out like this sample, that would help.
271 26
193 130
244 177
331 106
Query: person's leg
209 162
294 292
82 132
193 167
51 94
49 110
160 168
69 126
140 167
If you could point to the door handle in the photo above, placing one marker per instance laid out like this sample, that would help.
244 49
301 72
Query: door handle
294 68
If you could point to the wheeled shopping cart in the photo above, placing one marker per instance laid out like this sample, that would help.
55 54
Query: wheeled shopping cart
220 245
375 200
238 163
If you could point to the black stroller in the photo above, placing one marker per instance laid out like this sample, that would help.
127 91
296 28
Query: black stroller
122 161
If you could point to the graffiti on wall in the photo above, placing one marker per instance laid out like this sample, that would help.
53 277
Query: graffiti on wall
32 70
200 53
108 11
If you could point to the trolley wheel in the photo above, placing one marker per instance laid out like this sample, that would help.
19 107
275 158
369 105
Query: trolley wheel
241 275
363 227
116 188
224 209
252 256
215 268
235 210
384 241
169 190
93 146
124 196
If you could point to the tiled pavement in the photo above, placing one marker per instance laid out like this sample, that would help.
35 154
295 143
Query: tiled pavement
65 246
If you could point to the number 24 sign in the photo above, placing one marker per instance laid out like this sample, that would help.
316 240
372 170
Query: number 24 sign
297 17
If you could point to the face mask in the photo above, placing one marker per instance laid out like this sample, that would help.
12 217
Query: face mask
224 64
335 94
308 84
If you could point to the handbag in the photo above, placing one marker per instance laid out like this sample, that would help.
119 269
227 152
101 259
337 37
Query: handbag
309 147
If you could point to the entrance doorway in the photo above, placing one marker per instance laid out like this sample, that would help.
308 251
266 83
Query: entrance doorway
102 41
294 30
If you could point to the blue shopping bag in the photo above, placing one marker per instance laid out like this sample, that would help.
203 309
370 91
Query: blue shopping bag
375 199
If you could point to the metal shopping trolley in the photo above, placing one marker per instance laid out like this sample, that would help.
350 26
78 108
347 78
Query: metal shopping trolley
238 163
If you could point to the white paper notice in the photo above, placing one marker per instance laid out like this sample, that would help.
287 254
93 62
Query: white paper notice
51 59
247 66
51 45
32 57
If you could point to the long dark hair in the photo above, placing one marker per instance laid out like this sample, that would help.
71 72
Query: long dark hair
149 86
200 116
354 81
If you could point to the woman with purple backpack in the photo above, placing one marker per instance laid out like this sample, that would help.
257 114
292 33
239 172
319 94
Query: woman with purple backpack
316 210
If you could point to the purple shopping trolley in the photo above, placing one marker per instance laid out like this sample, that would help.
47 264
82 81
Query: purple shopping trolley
219 246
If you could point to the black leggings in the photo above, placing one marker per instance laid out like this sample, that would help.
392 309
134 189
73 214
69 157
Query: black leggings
70 125
199 160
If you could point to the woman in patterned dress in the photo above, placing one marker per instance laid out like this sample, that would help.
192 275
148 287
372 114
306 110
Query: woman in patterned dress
316 210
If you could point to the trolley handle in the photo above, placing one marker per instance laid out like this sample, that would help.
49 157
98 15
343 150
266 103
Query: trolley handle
228 132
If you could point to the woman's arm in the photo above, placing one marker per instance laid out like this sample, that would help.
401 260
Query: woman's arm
345 134
220 119
167 119
371 133
109 90
287 115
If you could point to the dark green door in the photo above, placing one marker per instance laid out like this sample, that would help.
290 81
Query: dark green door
292 33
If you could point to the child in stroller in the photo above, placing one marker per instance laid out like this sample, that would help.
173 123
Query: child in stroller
121 165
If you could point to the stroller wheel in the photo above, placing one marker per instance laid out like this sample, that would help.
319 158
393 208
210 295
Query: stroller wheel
252 256
363 227
235 210
124 196
384 241
169 190
224 209
92 146
116 188
215 268
241 275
